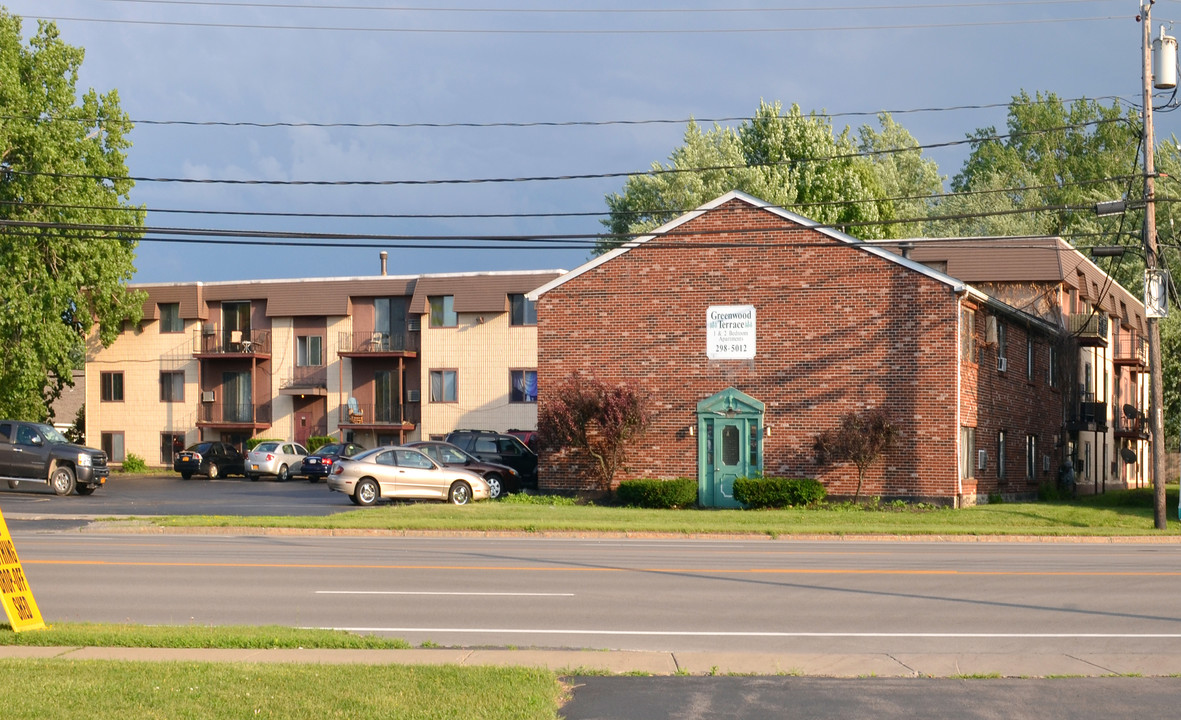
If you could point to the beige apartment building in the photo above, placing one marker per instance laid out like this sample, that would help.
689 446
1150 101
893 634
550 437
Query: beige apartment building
377 360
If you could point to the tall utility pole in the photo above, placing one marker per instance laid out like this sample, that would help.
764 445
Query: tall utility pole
1156 382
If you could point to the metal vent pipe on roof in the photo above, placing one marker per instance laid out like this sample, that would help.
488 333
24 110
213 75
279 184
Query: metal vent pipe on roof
384 256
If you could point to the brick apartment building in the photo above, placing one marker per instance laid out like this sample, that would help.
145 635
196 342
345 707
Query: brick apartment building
754 329
378 360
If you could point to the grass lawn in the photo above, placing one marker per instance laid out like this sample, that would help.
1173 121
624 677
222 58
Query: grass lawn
1124 513
68 689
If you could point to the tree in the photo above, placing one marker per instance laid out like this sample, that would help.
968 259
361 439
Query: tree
62 166
860 438
590 417
791 160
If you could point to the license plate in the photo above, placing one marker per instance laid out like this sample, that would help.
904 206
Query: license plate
253 467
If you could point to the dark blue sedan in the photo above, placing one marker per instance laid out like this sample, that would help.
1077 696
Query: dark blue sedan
318 465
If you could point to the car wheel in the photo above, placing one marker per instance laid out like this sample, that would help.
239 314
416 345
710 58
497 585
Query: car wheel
87 489
186 476
495 488
214 471
313 479
283 475
366 493
62 480
251 477
461 494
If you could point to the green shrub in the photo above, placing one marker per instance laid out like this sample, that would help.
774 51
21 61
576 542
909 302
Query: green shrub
531 499
652 493
134 463
776 492
253 442
316 442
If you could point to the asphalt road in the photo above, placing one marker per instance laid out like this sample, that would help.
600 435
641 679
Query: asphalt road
666 595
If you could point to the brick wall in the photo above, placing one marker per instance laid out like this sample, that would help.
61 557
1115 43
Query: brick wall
839 329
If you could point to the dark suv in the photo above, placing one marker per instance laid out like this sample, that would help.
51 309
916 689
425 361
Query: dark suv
496 447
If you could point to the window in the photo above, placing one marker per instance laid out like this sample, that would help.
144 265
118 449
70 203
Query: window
1000 455
443 384
172 387
443 311
968 334
524 310
967 452
235 318
385 397
1030 457
170 319
1001 345
523 386
1029 350
309 351
112 387
1052 370
113 446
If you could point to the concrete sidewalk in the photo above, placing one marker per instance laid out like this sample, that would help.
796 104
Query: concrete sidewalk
663 663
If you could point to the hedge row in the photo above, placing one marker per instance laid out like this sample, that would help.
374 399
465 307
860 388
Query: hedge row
776 492
651 493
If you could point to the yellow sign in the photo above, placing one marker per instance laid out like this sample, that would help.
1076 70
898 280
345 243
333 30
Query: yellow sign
14 590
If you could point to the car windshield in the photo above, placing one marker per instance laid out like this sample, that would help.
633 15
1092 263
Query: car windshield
201 448
333 449
451 455
267 447
51 434
367 455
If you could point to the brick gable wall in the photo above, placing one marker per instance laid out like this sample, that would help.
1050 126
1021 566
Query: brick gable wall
838 330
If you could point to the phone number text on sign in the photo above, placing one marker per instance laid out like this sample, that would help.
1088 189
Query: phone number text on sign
730 332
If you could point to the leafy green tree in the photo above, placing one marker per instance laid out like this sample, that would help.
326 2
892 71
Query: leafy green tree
791 160
62 164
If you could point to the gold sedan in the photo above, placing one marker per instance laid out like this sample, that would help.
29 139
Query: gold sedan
402 472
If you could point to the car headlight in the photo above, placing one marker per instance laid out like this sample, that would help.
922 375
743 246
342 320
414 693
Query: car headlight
83 460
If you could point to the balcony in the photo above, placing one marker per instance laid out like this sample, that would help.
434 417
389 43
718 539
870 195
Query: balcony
1131 349
377 344
406 416
305 380
234 416
1089 328
236 343
1131 424
1090 417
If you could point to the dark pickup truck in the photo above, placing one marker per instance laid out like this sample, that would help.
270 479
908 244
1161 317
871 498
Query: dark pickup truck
34 452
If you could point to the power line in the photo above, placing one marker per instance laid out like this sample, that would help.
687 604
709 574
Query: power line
606 11
553 178
583 31
541 123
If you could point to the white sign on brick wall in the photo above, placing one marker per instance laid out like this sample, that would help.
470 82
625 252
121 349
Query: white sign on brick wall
730 332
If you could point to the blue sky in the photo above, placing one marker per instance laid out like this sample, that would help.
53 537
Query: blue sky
470 61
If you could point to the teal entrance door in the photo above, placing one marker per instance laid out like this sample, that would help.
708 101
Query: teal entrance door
730 446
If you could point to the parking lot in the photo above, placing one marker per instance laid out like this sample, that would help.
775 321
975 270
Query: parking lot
167 494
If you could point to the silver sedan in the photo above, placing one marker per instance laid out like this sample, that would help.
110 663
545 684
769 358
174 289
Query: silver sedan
402 472
281 459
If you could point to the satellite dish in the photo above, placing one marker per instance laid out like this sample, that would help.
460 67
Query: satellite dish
1128 455
1130 412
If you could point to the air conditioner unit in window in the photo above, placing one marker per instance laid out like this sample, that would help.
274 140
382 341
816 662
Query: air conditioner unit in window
207 396
1045 463
981 459
414 324
209 329
1002 364
413 396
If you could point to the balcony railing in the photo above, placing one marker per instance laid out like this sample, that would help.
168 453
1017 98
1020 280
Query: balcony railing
376 342
216 413
406 413
235 342
306 376
1131 347
1091 416
1089 328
